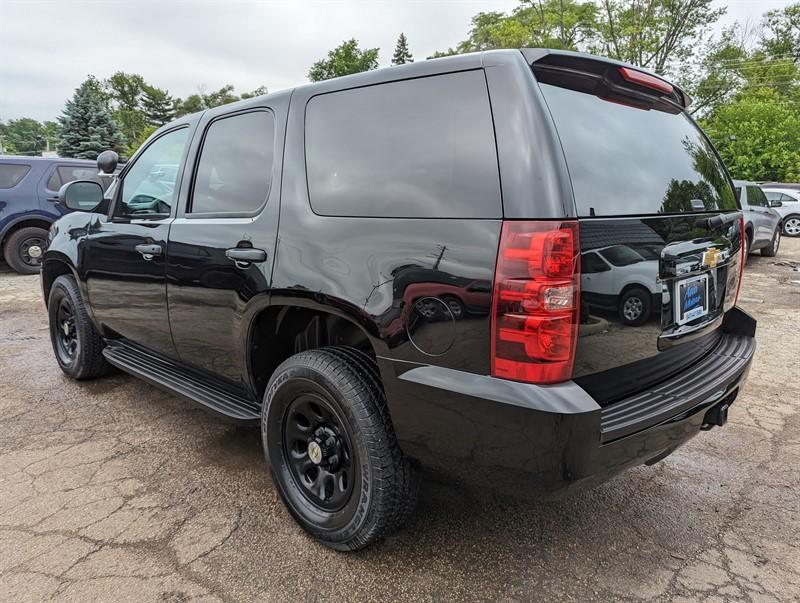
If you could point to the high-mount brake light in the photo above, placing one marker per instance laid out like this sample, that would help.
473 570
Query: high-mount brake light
535 306
742 259
635 76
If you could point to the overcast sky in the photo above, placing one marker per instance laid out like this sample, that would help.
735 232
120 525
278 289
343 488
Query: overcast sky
48 48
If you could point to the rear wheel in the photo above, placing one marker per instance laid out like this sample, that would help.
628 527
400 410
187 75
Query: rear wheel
771 250
24 248
791 226
77 344
329 440
634 306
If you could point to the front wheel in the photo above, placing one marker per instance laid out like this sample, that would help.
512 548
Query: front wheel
77 344
771 250
24 248
791 226
332 450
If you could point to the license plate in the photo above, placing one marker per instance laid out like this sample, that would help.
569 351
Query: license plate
691 299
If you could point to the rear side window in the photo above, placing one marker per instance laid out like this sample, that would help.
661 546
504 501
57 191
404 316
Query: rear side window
12 174
624 160
234 173
417 148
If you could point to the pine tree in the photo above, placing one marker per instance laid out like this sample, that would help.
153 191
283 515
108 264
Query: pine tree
157 105
86 125
401 53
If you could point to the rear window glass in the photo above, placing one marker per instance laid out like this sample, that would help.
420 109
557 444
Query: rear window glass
12 175
416 148
629 161
64 174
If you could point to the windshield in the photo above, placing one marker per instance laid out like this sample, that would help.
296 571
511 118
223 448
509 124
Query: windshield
624 160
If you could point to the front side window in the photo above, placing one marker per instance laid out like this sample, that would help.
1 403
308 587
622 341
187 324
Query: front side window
12 174
234 173
591 264
149 186
415 148
771 196
756 197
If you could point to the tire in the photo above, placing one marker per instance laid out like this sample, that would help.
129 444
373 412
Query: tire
24 248
635 306
77 345
332 450
791 225
748 243
456 306
771 250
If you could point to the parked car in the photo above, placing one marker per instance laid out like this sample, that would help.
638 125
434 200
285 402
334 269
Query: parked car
268 280
762 222
29 204
621 279
786 201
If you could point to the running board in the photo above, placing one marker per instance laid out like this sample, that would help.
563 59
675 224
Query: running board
176 379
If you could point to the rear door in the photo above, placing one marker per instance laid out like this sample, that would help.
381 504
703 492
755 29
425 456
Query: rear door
221 246
764 218
653 198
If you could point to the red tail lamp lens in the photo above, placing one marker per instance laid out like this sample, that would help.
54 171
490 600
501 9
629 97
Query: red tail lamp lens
536 301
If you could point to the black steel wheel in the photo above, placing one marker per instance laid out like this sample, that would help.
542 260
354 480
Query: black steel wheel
24 248
332 450
77 345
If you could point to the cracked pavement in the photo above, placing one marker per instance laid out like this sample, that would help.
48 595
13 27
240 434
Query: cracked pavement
114 490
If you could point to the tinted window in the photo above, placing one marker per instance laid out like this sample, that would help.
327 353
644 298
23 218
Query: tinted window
774 196
417 148
621 255
756 197
69 173
737 190
591 263
148 187
12 175
234 173
624 160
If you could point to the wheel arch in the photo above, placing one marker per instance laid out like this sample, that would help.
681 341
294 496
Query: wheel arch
55 265
287 327
35 220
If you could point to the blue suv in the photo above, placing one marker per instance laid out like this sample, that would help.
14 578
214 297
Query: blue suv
29 204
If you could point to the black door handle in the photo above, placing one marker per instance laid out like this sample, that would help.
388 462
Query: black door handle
148 251
243 256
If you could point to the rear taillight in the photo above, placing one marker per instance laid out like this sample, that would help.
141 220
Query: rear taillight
742 258
535 305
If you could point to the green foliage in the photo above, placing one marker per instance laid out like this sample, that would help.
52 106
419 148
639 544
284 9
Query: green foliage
758 135
402 54
157 106
143 136
87 128
345 59
23 136
781 33
655 34
566 24
260 91
191 104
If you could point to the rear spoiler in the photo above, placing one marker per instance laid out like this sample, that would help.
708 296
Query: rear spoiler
602 77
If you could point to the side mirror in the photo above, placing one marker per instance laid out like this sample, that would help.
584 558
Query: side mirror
80 195
776 203
107 162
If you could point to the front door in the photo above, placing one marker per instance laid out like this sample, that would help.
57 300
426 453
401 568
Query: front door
124 257
221 245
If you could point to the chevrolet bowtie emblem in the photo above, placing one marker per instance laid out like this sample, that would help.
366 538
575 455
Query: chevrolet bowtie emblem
711 257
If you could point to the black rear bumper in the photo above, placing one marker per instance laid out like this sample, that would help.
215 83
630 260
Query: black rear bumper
540 440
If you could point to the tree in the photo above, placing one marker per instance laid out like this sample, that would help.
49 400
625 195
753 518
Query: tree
566 24
402 54
143 136
157 106
87 128
758 135
260 91
24 136
223 96
345 59
781 33
124 93
191 104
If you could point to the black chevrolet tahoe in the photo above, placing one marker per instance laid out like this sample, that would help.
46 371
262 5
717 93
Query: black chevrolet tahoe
519 268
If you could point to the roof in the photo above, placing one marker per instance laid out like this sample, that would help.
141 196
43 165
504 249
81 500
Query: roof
28 159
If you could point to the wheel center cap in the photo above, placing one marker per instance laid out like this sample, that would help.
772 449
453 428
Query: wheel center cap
35 251
65 328
315 452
